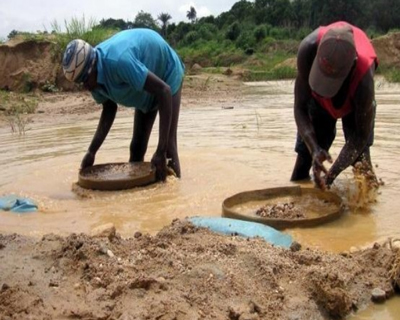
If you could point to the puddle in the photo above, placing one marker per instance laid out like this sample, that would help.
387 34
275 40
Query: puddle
223 151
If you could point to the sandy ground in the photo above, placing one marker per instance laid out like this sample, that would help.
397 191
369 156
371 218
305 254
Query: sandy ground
182 272
66 106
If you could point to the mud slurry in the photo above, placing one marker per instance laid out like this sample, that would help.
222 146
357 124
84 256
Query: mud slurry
183 272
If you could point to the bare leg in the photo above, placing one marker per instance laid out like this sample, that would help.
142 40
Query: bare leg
172 149
143 124
301 170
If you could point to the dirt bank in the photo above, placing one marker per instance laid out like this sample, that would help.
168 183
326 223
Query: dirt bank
182 273
26 65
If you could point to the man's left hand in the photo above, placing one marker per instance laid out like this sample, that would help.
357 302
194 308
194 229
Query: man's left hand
159 161
329 178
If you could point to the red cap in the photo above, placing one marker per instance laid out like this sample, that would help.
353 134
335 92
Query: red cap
335 58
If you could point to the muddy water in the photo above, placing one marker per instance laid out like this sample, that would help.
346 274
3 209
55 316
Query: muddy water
225 147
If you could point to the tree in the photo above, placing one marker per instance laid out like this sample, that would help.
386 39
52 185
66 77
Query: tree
233 31
243 10
12 34
164 18
191 14
145 20
114 24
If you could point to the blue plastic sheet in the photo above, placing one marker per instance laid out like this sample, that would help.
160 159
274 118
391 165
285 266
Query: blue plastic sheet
16 204
243 228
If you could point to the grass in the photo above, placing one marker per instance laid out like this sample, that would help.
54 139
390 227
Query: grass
391 74
17 109
79 28
264 64
280 73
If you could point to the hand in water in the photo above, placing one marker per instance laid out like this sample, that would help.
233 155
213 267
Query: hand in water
159 161
319 157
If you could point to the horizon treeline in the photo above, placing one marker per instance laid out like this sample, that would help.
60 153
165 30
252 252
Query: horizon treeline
278 19
268 30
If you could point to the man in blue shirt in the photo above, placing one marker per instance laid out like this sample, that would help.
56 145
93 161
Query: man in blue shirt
135 68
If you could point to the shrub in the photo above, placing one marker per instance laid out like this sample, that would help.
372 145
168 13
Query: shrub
207 31
79 29
260 32
191 37
246 40
233 31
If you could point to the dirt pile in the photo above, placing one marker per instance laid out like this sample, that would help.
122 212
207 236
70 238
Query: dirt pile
388 49
28 65
182 273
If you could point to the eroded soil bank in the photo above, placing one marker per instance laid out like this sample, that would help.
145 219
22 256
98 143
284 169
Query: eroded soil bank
183 272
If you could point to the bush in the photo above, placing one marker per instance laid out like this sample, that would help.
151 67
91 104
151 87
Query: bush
233 31
393 75
302 33
279 33
228 59
80 29
191 37
49 87
284 72
207 31
12 34
246 40
260 33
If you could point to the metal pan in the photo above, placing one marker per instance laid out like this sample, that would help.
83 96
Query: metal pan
117 176
274 195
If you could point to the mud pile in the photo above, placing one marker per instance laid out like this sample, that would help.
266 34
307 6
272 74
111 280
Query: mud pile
388 49
183 273
27 65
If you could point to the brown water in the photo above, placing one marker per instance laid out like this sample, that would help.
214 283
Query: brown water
223 151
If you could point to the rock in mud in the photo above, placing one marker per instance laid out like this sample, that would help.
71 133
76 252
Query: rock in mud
295 246
137 234
378 295
106 230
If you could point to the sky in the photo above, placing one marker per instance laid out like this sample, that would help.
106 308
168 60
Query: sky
34 15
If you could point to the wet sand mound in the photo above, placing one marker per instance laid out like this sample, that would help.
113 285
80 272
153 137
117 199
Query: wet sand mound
387 49
27 65
183 272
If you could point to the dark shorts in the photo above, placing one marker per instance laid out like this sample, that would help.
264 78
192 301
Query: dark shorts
325 128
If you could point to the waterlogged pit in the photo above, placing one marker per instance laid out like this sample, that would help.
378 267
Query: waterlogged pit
227 145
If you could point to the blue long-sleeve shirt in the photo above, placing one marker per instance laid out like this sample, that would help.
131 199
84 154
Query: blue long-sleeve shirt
123 62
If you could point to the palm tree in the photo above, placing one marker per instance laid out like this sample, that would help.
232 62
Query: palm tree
192 14
164 18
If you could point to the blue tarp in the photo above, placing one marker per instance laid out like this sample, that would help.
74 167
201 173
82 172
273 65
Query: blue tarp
16 204
243 228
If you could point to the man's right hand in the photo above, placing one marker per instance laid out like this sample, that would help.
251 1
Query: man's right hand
318 158
88 160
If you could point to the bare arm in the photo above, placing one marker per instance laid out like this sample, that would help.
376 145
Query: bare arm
302 91
364 119
106 120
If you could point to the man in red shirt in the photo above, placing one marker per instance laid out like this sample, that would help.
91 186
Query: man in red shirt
336 66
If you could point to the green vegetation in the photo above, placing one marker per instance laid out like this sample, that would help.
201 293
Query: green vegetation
49 87
17 109
253 35
76 28
391 74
